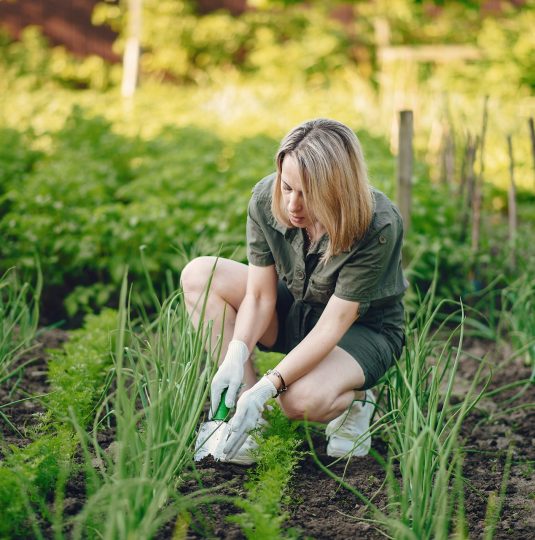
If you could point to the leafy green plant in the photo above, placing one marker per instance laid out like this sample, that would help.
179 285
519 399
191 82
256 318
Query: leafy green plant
33 59
102 204
17 158
268 483
34 472
28 477
195 48
78 372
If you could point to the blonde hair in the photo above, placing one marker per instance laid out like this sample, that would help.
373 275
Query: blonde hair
334 179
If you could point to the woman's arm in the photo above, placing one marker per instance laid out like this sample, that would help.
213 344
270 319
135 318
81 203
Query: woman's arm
258 305
253 317
334 322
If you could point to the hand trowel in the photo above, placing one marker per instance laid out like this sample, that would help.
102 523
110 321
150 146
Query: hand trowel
213 434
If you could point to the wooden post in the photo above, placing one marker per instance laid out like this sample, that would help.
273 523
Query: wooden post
381 29
131 50
405 164
512 205
464 167
448 157
477 200
468 182
532 135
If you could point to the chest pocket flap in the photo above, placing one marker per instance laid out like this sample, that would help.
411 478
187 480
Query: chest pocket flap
320 289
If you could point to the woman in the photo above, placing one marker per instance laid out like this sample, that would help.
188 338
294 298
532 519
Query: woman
324 285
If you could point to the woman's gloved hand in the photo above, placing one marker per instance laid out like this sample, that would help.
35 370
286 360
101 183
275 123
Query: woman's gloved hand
248 413
229 375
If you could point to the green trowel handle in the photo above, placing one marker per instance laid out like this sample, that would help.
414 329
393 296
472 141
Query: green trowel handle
222 410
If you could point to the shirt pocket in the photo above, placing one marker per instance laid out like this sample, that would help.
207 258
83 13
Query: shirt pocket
320 289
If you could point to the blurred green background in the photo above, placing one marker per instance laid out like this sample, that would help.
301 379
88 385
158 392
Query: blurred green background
91 181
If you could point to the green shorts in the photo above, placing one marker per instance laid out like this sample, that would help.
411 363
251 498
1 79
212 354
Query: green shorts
374 344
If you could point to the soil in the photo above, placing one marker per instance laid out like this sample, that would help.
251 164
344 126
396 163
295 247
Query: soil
25 390
320 508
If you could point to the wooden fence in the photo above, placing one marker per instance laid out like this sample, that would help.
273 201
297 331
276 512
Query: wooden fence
470 184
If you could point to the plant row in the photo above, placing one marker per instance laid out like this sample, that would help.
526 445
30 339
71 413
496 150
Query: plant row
142 382
268 489
421 423
30 475
86 207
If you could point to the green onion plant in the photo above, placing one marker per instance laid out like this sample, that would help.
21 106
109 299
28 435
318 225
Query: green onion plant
518 318
19 315
425 457
424 482
162 372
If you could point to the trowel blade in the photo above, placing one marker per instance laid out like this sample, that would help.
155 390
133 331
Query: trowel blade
210 440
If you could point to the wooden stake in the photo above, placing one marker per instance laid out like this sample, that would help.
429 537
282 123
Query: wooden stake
131 50
405 164
512 204
468 181
464 163
477 200
448 157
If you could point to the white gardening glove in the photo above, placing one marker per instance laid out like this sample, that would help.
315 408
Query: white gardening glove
248 413
229 375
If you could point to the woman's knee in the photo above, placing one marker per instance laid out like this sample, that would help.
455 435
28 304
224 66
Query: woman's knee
220 280
195 275
300 402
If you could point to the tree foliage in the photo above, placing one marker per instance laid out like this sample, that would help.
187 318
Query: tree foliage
312 41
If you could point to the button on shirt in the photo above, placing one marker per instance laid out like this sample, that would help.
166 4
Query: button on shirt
369 272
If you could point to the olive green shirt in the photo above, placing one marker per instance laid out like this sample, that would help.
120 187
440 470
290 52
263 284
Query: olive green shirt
369 273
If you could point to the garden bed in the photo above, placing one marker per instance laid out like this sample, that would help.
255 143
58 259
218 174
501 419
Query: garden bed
319 507
25 413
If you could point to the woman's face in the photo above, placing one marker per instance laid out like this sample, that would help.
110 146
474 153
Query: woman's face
292 193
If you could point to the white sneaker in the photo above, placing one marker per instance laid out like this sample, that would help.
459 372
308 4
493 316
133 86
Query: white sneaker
349 434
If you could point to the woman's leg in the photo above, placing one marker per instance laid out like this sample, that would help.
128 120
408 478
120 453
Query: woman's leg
325 392
227 290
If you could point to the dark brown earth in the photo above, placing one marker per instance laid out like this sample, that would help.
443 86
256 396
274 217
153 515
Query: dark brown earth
320 508
31 383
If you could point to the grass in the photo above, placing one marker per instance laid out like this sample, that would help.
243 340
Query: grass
423 428
518 318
